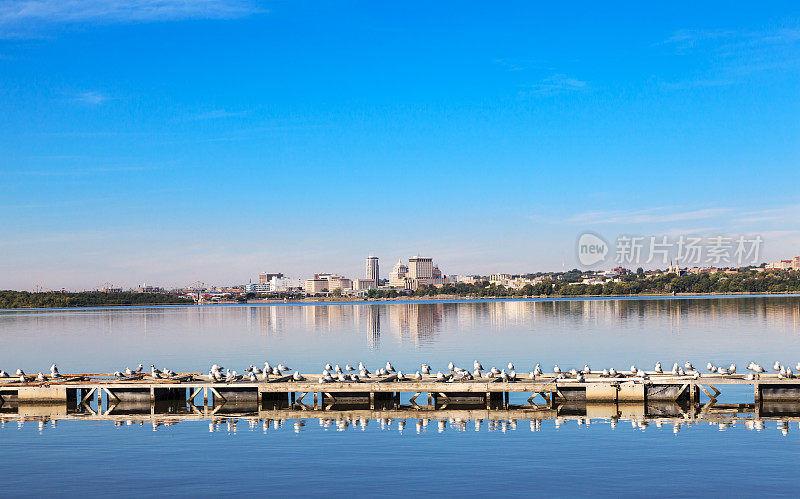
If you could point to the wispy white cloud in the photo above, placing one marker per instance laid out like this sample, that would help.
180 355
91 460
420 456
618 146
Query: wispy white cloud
217 114
20 18
731 55
653 215
92 97
555 84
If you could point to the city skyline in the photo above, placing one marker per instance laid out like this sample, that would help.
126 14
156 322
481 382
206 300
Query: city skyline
166 142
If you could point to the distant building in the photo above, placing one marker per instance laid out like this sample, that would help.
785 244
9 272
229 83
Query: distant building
399 273
373 271
420 272
782 264
362 284
265 277
796 263
420 267
316 285
253 287
144 288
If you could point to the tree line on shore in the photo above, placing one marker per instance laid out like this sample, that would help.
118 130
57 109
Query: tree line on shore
56 299
746 281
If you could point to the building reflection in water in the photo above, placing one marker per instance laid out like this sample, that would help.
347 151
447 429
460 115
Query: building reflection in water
420 324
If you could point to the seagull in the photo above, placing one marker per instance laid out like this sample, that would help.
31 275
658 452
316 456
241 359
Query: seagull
3 374
789 373
118 374
451 366
732 368
400 376
777 366
20 372
681 372
154 369
139 369
253 377
337 369
512 375
675 368
495 370
389 367
688 366
573 372
282 368
658 368
721 370
348 367
556 369
328 367
54 371
22 378
439 376
537 370
256 370
477 373
267 367
586 369
797 367
612 372
531 375
490 374
355 378
477 365
230 376
510 366
155 373
605 373
503 375
426 369
215 375
341 377
418 375
641 374
580 378
40 377
363 368
633 369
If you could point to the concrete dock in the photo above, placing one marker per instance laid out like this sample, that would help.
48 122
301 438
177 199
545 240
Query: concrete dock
106 392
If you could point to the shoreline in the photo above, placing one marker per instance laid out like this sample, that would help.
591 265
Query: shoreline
426 300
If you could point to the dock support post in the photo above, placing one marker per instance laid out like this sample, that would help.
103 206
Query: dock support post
488 400
293 398
205 396
372 401
315 400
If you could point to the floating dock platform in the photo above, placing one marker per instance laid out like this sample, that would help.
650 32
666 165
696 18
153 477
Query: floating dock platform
108 393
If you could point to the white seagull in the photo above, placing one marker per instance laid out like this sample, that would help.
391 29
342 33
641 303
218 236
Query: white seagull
389 367
477 365
348 367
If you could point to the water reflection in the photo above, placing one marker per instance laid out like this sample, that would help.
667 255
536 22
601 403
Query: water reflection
580 330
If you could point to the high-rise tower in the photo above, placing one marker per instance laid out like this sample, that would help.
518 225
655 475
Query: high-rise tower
373 271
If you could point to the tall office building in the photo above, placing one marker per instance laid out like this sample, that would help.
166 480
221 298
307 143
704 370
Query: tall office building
373 271
420 267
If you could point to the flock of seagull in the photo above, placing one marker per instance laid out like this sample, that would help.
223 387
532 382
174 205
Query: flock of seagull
333 374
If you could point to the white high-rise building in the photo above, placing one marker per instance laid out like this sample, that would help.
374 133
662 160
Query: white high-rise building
420 267
373 271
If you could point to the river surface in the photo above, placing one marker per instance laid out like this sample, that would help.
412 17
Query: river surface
397 457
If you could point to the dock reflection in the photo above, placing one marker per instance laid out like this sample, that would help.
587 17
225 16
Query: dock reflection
232 416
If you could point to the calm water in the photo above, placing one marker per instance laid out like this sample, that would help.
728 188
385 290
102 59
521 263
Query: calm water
401 457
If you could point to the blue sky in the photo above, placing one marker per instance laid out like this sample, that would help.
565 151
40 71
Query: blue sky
164 141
